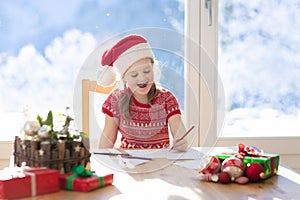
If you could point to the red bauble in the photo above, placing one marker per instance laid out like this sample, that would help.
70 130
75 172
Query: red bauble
210 165
255 171
234 166
224 177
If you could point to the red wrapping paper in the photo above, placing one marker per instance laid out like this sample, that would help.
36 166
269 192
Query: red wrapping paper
30 182
69 181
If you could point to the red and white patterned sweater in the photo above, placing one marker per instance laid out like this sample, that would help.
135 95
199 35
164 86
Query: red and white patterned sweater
148 125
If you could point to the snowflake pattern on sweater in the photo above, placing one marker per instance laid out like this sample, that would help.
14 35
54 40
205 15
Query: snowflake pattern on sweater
147 126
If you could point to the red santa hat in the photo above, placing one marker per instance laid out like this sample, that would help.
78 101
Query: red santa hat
121 56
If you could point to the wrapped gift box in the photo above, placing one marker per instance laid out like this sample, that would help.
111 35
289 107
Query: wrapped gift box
269 161
71 181
29 182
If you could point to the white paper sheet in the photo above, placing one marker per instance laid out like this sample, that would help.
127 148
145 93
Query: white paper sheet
191 153
191 159
190 164
116 162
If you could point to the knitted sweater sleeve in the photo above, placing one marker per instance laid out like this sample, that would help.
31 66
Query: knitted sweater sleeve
172 106
110 105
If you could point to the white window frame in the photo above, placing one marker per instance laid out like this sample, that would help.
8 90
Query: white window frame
207 37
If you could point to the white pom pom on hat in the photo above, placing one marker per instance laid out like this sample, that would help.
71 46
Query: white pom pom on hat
106 76
121 56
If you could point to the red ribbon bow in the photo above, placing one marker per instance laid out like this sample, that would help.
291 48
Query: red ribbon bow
249 150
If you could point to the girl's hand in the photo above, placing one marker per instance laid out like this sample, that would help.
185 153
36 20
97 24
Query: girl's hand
181 145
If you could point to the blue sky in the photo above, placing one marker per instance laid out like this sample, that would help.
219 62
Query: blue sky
44 43
38 22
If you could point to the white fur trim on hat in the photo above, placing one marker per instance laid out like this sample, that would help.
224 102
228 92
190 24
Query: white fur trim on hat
106 76
132 55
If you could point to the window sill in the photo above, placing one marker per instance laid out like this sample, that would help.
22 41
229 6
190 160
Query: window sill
6 149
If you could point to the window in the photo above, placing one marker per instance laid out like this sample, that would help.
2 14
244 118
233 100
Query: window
258 64
39 68
284 144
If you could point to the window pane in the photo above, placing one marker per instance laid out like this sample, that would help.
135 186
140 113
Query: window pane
42 51
259 65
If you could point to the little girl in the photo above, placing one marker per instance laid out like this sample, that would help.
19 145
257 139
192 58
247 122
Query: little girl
140 112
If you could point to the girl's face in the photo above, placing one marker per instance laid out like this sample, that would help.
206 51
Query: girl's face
139 77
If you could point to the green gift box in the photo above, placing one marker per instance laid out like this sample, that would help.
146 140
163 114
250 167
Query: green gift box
269 161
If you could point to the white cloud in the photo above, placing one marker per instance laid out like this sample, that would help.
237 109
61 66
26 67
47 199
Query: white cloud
260 61
260 67
44 81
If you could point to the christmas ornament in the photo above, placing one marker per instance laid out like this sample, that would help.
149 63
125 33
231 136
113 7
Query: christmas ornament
77 148
224 177
234 166
209 177
249 164
30 128
214 178
55 143
255 172
41 152
205 177
44 131
249 150
242 180
210 165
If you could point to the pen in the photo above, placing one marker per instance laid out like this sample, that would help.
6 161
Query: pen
123 155
135 157
182 137
112 154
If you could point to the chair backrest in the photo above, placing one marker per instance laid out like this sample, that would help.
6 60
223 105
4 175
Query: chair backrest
87 87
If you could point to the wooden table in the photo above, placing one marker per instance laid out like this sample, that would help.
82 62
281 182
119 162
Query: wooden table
175 182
